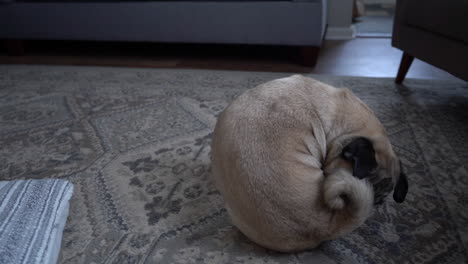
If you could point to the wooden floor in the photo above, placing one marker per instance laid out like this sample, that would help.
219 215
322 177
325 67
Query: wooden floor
371 57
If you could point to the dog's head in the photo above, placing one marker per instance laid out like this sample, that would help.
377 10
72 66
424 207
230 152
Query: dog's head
382 170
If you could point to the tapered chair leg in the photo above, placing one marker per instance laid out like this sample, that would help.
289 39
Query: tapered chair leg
405 64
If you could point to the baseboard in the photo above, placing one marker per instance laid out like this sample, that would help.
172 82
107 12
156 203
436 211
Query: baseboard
341 33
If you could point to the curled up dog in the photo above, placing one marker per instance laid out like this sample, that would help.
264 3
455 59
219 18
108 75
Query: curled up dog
299 162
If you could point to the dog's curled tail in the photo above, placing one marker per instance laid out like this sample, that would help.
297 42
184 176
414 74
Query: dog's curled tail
351 197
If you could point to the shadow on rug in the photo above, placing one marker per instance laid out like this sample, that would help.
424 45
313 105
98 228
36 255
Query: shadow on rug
135 143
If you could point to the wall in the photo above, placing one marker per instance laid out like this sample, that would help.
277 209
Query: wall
389 2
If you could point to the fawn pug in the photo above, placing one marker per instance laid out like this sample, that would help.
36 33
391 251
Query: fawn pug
299 162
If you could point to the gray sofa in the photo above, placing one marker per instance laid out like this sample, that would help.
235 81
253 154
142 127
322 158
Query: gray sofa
434 31
299 23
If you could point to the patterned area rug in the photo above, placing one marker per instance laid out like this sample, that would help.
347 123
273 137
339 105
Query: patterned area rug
136 145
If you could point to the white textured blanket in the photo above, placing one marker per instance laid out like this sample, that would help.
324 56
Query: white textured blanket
32 217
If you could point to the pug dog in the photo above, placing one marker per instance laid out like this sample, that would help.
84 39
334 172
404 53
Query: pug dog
299 162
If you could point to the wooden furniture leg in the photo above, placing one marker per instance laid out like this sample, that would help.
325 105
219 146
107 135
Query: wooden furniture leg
15 47
405 64
309 55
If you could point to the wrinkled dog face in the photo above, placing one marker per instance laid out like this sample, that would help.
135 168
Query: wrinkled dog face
360 153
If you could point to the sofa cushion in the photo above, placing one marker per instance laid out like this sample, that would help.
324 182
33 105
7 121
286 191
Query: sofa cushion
444 17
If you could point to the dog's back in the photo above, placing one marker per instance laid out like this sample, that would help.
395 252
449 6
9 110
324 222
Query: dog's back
270 149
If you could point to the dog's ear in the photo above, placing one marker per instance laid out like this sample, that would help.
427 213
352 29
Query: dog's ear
361 154
401 188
